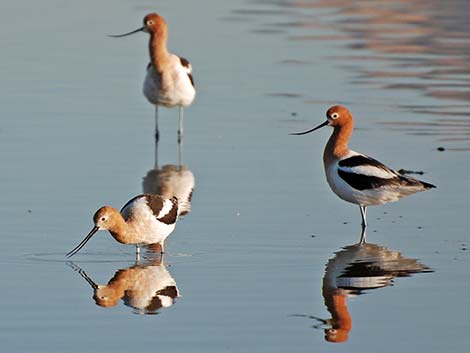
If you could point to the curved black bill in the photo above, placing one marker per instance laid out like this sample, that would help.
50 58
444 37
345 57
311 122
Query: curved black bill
126 34
82 243
311 130
83 274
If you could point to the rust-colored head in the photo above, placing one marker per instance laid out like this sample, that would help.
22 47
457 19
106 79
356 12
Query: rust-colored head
105 218
341 321
336 335
106 296
154 23
338 115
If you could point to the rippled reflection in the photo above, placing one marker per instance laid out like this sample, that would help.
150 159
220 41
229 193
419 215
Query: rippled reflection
147 287
399 45
353 270
394 40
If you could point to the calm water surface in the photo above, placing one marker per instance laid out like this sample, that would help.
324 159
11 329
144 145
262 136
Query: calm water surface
265 258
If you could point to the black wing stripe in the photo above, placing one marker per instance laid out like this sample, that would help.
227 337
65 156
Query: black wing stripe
172 215
156 303
360 160
364 182
169 291
185 62
191 79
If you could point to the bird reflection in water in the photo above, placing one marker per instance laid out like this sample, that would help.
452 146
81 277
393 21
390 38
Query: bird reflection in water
146 287
353 270
171 180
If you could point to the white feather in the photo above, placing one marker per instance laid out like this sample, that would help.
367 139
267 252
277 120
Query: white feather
369 170
167 206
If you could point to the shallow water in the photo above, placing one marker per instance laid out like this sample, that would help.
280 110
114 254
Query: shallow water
252 259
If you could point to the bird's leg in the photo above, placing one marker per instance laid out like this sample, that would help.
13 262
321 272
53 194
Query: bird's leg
157 136
180 137
162 252
137 253
363 214
363 236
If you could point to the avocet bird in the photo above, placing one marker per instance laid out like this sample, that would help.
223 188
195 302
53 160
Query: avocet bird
355 177
144 220
147 287
168 82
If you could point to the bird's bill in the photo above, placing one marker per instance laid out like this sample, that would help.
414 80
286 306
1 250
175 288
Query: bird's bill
311 130
141 29
89 280
83 242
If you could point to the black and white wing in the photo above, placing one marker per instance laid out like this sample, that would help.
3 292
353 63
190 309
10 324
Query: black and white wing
165 210
188 68
362 173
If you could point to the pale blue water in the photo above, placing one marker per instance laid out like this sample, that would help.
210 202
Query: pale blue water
249 259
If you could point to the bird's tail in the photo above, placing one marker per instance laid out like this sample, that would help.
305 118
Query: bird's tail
427 185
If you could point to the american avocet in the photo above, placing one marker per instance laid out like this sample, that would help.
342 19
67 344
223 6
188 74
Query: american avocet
168 82
144 220
353 270
146 287
355 177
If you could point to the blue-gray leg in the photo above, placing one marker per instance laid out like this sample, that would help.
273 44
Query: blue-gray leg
180 137
157 136
363 214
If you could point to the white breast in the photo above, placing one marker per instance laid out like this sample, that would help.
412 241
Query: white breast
170 89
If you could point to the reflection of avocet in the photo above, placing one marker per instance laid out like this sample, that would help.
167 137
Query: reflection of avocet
146 287
353 270
355 177
171 181
169 82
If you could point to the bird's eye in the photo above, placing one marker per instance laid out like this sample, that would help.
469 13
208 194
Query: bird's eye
335 116
149 22
103 219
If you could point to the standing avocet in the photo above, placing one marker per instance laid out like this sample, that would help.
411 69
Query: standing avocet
144 220
168 82
355 177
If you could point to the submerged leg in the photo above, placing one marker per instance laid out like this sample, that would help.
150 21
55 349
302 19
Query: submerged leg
363 236
137 253
363 214
157 136
180 137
